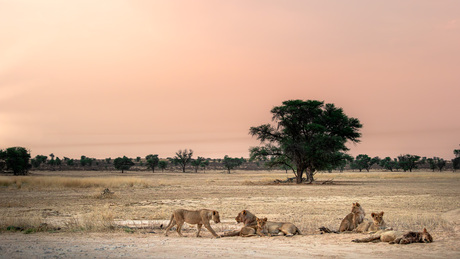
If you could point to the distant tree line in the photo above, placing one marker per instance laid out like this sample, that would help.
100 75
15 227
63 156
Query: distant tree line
18 161
403 162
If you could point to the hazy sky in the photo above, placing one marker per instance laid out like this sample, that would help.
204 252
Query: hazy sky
113 78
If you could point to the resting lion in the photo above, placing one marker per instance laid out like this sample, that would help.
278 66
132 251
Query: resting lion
353 219
199 217
397 237
275 228
377 224
250 225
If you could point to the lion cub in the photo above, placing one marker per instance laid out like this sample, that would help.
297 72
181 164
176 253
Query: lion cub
352 220
397 237
199 217
377 224
269 228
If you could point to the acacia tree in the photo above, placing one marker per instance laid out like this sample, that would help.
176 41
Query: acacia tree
152 162
230 163
16 159
123 163
456 160
389 163
196 163
205 164
362 162
182 158
306 136
162 165
408 162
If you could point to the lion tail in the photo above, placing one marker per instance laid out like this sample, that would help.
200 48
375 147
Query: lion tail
170 221
327 230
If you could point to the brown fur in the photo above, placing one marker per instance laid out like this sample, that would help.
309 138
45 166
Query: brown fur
414 237
377 224
250 225
352 220
265 227
199 217
397 237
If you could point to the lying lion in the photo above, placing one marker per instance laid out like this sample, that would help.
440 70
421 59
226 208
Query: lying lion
269 228
397 237
250 225
368 227
199 217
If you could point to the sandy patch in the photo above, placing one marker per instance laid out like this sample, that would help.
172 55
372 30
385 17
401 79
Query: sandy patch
118 245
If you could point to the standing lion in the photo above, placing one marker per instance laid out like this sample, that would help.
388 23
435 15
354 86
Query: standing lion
199 217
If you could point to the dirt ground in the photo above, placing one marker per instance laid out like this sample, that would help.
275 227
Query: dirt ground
430 200
124 245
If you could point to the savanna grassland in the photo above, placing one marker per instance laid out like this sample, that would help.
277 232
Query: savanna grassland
70 205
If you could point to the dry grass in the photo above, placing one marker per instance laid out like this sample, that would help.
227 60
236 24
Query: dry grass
101 219
45 182
410 201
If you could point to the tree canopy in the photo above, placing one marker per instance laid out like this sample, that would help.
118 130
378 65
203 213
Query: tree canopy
182 158
408 162
306 136
16 159
230 162
152 162
123 163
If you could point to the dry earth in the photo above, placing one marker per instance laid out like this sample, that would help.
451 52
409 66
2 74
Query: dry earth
410 201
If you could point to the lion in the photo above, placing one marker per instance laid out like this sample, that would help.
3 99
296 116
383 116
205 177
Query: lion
250 225
267 227
352 220
368 227
199 217
397 237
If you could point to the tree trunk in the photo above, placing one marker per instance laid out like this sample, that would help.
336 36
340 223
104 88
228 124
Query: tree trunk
299 176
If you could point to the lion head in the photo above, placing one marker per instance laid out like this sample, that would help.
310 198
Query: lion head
215 216
245 217
426 237
378 218
261 223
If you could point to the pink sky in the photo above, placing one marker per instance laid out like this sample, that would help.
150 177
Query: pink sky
113 78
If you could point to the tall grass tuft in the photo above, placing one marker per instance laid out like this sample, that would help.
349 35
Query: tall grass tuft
100 220
28 223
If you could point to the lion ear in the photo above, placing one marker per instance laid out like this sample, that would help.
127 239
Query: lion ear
357 204
214 212
244 212
381 213
424 230
373 214
265 219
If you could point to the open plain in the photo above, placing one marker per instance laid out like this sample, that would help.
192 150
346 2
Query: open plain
52 214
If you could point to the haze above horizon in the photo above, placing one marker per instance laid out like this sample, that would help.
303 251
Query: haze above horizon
113 78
